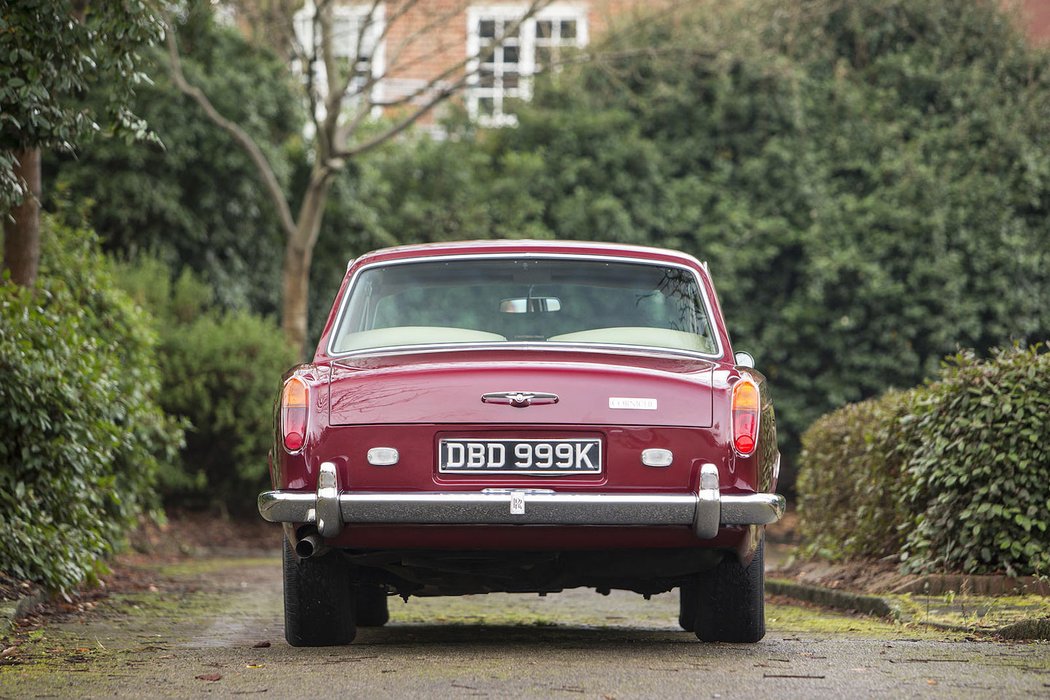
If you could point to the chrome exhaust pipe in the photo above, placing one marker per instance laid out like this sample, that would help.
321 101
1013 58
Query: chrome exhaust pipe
309 546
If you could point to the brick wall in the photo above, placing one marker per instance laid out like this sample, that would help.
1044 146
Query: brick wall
1035 14
430 39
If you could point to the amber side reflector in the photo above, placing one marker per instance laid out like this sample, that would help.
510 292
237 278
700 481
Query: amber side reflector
294 407
745 416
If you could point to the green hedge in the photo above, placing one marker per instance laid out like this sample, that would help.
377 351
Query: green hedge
83 434
849 488
220 372
979 480
954 475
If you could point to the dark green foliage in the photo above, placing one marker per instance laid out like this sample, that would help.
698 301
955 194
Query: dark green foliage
83 434
220 372
870 181
955 474
50 62
194 199
851 485
980 476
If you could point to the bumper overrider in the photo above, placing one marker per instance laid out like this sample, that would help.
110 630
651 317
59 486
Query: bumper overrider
706 510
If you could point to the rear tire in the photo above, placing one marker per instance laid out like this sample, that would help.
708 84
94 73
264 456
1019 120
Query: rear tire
318 600
372 609
688 597
730 601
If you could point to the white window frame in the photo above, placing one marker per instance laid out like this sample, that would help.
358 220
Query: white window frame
510 13
350 15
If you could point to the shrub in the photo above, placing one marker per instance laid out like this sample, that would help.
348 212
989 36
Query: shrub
850 482
980 476
955 475
220 373
83 434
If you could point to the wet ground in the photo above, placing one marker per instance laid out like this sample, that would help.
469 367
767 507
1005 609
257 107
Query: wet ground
204 634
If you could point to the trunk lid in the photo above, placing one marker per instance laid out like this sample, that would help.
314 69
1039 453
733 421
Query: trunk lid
591 389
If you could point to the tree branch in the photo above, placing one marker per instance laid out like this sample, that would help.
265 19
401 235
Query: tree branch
239 135
434 23
440 90
380 138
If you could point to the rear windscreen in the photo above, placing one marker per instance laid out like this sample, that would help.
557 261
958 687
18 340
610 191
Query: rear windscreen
581 302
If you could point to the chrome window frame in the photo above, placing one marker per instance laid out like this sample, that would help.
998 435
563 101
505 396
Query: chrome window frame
513 345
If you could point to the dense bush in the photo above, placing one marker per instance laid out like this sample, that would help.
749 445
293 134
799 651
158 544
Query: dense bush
850 487
979 478
220 371
83 434
954 475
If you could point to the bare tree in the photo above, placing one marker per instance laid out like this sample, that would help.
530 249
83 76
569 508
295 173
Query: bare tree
342 92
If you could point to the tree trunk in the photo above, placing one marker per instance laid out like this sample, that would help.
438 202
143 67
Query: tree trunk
22 226
298 257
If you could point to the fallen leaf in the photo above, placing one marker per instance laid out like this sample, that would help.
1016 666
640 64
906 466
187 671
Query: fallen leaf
7 652
209 677
261 645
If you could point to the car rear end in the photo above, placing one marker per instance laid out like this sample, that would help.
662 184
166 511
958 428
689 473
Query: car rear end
531 448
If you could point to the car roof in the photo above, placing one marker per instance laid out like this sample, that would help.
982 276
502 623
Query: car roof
496 247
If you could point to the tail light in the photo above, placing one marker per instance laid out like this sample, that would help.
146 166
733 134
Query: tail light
294 407
745 416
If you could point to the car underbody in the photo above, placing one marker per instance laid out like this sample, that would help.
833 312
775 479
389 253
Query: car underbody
431 573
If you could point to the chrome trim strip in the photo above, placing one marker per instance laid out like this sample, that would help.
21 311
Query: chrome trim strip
753 509
329 522
540 509
708 505
520 399
287 506
493 507
410 349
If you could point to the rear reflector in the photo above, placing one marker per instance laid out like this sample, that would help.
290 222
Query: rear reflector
294 409
745 416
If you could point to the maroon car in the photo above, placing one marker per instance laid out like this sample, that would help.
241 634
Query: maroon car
523 416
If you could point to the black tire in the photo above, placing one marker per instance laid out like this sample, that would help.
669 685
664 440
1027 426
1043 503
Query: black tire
731 603
318 600
688 598
372 609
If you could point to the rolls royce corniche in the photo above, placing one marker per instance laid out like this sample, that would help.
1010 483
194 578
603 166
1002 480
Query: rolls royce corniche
526 417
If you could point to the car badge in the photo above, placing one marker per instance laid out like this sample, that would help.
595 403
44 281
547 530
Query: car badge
520 399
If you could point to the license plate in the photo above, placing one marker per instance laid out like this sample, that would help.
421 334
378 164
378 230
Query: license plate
561 457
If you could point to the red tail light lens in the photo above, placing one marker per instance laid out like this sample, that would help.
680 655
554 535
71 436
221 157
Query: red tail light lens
745 416
294 407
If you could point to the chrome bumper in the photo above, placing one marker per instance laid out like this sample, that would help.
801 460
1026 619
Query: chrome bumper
705 511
